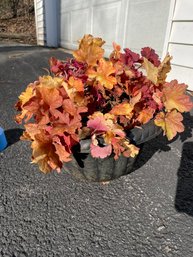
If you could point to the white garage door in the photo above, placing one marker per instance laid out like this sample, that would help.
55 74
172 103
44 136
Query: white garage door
130 23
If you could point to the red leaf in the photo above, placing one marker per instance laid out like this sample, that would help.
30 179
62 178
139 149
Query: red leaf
151 55
129 58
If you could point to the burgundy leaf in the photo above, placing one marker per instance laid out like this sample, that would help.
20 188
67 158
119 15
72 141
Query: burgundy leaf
151 55
129 58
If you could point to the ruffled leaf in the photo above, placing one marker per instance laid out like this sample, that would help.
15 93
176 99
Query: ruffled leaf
24 98
129 57
174 97
115 55
100 152
157 74
171 123
150 55
90 50
131 150
50 82
145 115
63 154
122 109
76 83
103 74
26 95
97 125
44 153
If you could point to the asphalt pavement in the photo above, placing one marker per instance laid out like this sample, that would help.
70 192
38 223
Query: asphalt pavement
144 214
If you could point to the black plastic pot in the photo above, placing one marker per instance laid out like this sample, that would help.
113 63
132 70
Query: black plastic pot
85 167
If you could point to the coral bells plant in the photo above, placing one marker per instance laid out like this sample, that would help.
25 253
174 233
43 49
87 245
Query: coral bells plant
90 97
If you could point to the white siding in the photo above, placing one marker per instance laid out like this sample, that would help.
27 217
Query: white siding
183 10
181 33
40 21
180 42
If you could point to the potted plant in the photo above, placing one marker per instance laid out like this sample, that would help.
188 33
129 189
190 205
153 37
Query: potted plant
92 114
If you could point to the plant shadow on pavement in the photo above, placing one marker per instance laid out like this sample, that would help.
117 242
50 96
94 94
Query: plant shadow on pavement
162 144
184 190
13 135
148 149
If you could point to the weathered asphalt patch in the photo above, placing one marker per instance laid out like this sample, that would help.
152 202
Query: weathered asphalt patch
141 214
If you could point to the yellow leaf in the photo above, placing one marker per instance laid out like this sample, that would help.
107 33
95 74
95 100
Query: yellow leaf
27 95
20 105
103 74
50 82
131 150
108 137
171 123
157 74
95 115
163 69
151 70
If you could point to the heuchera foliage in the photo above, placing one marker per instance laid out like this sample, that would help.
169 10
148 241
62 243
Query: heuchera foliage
89 96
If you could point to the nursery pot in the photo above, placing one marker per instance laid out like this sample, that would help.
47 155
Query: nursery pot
85 167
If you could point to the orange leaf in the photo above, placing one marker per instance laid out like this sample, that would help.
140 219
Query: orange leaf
44 153
122 109
115 55
30 131
157 97
64 156
75 91
145 115
76 83
51 97
174 97
103 74
171 123
24 114
90 50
